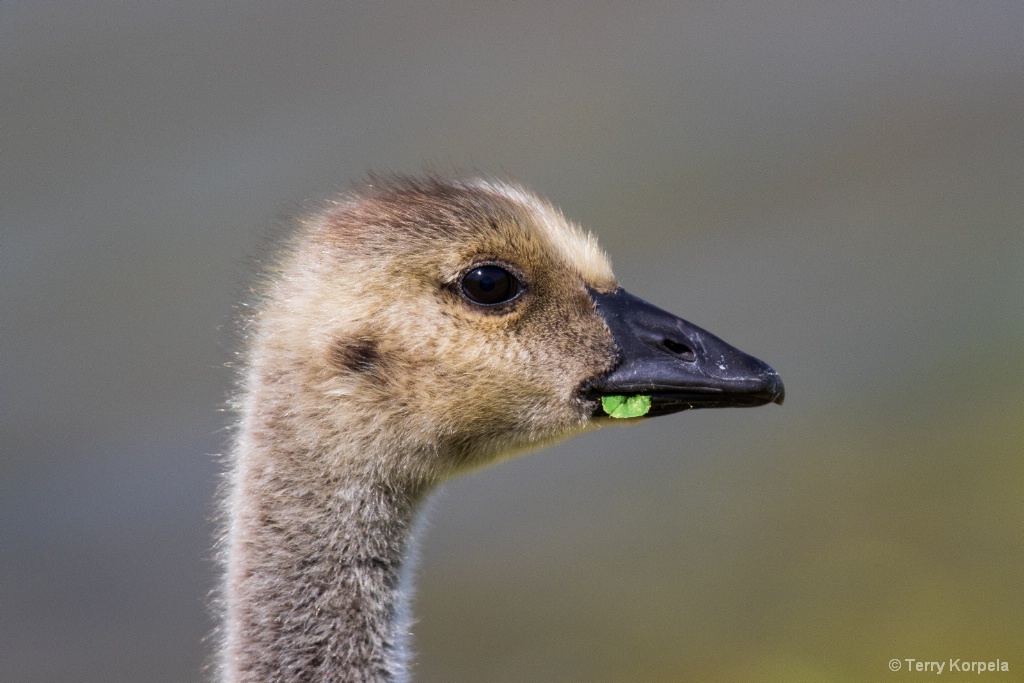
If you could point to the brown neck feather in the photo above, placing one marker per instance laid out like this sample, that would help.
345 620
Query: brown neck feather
314 572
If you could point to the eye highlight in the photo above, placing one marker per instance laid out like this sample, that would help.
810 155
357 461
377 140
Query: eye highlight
490 285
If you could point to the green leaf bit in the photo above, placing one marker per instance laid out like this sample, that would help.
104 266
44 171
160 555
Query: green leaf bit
626 406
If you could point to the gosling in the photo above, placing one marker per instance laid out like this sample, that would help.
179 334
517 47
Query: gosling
417 329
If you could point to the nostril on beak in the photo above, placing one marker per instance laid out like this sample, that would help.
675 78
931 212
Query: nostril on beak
682 350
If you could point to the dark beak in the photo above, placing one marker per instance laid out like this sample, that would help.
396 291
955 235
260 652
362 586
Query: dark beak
679 365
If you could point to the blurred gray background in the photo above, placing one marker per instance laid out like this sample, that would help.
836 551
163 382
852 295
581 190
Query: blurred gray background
836 189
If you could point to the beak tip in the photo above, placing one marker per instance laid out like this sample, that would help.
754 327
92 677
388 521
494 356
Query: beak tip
778 389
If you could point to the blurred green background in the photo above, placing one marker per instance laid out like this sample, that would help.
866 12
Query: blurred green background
835 188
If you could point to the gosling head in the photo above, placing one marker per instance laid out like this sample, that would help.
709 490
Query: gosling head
422 327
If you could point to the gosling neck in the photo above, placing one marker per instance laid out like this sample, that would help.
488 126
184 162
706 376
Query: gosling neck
314 587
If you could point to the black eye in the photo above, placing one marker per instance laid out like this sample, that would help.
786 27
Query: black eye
490 285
